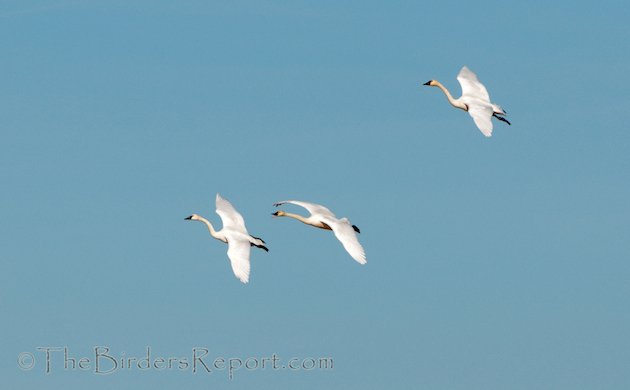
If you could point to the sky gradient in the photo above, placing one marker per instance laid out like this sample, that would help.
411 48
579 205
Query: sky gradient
497 263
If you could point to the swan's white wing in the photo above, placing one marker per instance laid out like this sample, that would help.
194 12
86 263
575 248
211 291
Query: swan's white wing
482 115
311 207
346 235
238 252
471 87
231 218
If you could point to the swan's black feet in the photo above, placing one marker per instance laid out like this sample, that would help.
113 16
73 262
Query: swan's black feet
501 119
259 246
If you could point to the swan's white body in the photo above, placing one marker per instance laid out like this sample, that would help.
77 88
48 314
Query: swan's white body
323 218
475 100
235 234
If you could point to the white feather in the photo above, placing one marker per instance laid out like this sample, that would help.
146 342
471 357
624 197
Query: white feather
475 100
235 234
342 228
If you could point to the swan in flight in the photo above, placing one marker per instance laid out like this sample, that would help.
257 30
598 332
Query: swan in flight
475 100
323 218
234 233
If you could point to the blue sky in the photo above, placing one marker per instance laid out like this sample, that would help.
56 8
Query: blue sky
492 263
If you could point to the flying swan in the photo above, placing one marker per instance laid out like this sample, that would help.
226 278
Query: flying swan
234 233
323 218
475 100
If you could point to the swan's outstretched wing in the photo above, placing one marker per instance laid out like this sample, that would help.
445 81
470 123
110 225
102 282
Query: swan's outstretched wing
482 115
471 87
346 235
231 218
238 252
311 207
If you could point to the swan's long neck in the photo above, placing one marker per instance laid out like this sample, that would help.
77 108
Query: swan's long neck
298 217
454 102
213 232
308 221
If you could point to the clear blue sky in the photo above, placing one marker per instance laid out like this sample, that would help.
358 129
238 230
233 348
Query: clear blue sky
498 263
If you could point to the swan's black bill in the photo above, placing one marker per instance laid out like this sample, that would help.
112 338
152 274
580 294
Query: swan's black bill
188 218
275 214
356 229
428 82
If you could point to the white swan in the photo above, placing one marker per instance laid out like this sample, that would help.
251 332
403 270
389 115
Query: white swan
323 218
234 233
475 100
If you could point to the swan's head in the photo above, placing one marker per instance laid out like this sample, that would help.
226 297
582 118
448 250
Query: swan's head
279 213
193 217
431 83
